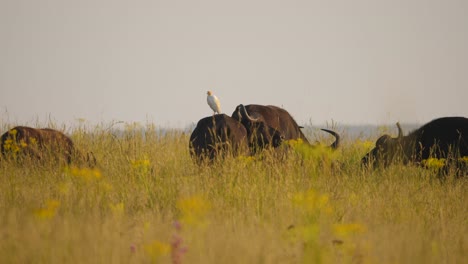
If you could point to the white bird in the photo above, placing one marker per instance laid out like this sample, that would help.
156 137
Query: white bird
213 102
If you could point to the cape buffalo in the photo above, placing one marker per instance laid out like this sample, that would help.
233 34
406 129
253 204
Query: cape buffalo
445 138
260 133
40 144
276 118
217 135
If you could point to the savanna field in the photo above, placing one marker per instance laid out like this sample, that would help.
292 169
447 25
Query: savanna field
147 202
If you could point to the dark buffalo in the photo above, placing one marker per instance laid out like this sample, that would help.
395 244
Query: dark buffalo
216 136
443 138
39 144
276 118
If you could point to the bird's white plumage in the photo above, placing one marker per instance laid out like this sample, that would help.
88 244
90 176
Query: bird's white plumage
213 102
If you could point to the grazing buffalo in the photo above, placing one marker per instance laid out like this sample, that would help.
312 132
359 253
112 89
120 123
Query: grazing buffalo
216 136
443 138
39 144
276 118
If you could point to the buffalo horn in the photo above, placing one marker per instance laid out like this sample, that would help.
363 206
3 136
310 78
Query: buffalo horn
337 138
244 112
400 131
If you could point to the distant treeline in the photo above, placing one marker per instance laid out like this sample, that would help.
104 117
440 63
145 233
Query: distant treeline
347 132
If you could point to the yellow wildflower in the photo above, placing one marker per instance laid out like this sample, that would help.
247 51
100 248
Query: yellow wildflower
118 208
86 174
48 211
32 141
64 188
146 225
13 132
193 210
246 159
10 145
157 249
7 144
142 165
295 142
367 145
434 163
105 186
312 202
23 144
348 229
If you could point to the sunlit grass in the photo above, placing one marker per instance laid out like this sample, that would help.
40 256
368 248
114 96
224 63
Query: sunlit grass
147 202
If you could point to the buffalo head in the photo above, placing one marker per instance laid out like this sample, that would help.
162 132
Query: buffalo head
260 134
386 150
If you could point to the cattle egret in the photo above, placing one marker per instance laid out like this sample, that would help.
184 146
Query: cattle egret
213 102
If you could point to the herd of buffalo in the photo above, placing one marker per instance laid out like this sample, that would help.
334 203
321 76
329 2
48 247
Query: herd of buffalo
252 128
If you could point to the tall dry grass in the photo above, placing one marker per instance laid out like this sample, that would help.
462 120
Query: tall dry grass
147 202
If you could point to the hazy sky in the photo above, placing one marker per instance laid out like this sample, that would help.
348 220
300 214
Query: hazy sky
353 62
